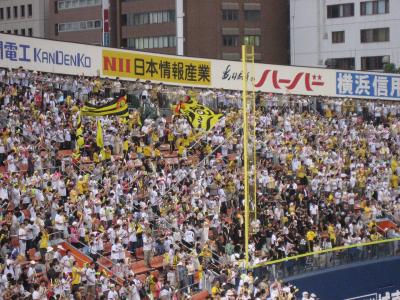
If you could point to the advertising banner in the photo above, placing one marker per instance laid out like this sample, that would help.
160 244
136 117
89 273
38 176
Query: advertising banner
49 56
307 81
275 79
352 84
77 59
168 69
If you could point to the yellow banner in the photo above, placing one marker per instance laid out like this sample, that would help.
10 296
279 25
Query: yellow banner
159 68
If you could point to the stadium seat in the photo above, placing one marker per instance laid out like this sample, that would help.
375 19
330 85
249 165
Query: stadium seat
200 296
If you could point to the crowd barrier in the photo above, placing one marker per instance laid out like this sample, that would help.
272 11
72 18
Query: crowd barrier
325 259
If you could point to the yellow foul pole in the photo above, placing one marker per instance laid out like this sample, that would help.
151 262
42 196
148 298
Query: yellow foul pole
245 158
254 135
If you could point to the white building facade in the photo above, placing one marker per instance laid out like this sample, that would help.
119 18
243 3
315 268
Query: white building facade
345 34
24 17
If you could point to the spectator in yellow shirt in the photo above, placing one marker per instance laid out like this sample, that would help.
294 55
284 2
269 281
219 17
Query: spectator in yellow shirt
181 151
154 138
170 139
107 154
79 186
310 239
332 234
96 158
125 148
157 153
147 151
368 211
394 181
44 242
76 278
215 290
139 151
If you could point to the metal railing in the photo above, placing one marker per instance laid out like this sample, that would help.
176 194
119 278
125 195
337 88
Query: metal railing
326 259
88 251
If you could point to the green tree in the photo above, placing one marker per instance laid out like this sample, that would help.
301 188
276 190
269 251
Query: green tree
390 68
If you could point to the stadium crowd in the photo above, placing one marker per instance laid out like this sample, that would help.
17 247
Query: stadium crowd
327 170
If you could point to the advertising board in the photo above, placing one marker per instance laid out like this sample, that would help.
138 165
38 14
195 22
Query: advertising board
49 56
77 59
161 68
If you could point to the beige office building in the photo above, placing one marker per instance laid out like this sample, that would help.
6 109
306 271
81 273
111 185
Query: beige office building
24 17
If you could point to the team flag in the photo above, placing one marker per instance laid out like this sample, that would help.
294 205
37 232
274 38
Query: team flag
117 107
99 136
80 142
99 139
198 115
79 128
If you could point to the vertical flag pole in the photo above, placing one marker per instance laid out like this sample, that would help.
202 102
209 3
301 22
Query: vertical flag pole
245 158
254 135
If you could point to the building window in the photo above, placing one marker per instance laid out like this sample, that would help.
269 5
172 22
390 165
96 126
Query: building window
29 10
30 32
337 37
15 8
230 14
341 10
23 31
372 63
253 40
155 17
252 15
68 4
2 13
230 40
8 31
79 26
22 11
346 63
15 31
374 7
375 35
162 17
124 19
138 19
8 12
152 42
124 43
